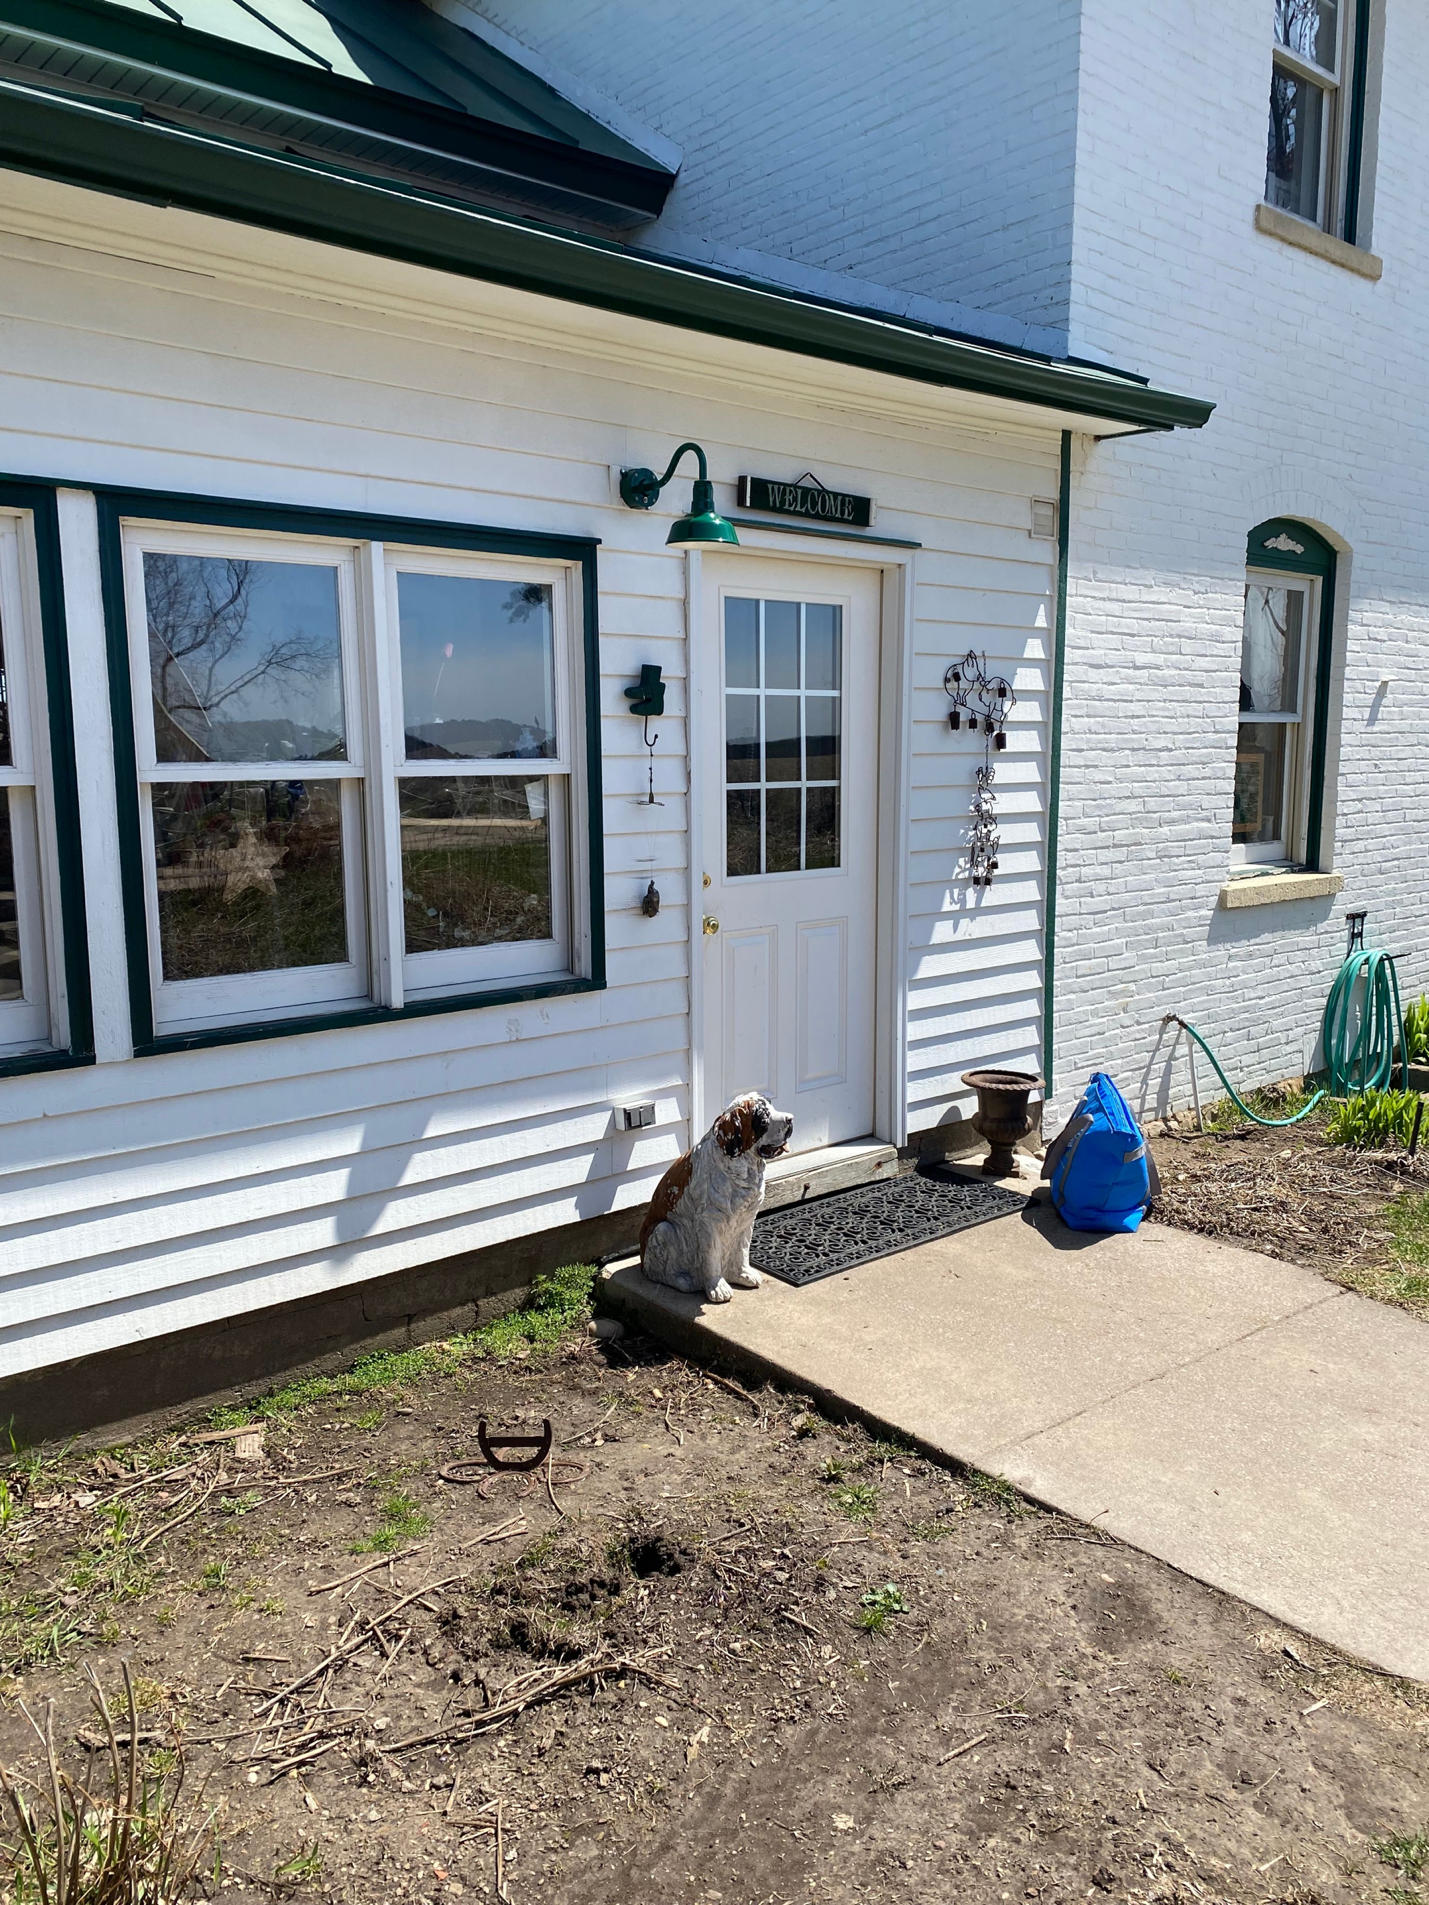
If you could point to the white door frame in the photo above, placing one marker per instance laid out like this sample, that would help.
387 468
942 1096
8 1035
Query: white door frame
895 721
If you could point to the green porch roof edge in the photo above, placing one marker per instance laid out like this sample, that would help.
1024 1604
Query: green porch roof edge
111 151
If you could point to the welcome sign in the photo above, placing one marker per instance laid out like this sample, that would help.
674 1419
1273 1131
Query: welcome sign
807 498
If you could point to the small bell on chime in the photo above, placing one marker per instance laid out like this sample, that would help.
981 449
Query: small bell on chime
999 740
955 720
987 724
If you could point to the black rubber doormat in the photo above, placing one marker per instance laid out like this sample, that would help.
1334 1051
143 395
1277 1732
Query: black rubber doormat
799 1243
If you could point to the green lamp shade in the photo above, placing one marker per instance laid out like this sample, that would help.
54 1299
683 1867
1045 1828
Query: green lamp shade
704 522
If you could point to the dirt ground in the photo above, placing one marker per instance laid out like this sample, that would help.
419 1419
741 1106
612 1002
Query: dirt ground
1360 1218
767 1660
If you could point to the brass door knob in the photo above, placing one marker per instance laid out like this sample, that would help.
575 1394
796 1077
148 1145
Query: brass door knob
711 924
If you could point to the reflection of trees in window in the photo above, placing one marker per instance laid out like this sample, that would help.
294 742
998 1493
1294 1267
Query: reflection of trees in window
198 614
4 715
525 599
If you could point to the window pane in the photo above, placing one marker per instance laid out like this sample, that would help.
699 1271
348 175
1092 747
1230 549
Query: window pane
781 737
1292 165
478 668
11 984
821 827
1270 649
742 827
781 644
781 836
741 643
822 743
1259 815
1311 29
244 659
823 641
476 861
249 876
741 737
7 759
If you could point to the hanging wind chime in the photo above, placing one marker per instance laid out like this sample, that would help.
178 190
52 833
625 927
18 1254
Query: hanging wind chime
981 702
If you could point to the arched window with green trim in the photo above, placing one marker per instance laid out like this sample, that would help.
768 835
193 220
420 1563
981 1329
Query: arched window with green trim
1286 644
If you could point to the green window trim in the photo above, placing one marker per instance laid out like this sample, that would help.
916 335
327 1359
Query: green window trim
1317 558
38 500
1354 136
118 506
87 144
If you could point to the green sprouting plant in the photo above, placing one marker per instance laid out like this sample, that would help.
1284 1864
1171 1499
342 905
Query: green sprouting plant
237 1504
877 1606
215 1575
303 1867
1416 1031
859 1501
997 1492
401 1521
1373 1120
837 1468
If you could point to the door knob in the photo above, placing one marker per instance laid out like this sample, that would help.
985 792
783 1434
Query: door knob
711 924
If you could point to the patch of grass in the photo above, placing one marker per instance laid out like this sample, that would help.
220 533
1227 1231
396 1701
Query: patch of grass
859 1501
837 1468
937 1528
1408 1220
370 1419
559 1305
237 1504
995 1491
877 1606
401 1521
215 1575
1407 1852
889 1452
1271 1101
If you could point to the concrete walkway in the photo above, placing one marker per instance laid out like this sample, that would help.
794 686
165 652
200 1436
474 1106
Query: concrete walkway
1244 1420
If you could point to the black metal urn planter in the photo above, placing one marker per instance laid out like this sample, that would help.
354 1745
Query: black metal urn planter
1002 1118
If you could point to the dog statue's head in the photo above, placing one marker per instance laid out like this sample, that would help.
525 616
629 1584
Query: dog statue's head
750 1123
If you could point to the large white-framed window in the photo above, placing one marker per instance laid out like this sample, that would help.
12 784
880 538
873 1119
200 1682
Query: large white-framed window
355 768
1311 150
1272 766
31 988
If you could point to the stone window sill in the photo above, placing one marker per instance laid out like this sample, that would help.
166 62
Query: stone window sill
1295 231
1271 889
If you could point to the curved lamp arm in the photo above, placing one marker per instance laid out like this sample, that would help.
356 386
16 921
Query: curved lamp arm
640 489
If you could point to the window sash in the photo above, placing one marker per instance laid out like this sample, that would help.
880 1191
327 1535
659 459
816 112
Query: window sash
1289 848
1334 164
26 1022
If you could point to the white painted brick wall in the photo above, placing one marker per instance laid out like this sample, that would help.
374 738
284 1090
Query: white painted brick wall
921 146
1322 414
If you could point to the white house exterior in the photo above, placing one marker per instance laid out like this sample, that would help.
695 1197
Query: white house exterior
335 967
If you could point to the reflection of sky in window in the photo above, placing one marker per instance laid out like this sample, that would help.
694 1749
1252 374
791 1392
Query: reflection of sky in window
245 658
477 667
1308 27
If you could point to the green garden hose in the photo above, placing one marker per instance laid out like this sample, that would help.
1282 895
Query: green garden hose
1365 1065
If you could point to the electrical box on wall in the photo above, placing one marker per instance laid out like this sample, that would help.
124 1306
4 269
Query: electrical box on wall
634 1117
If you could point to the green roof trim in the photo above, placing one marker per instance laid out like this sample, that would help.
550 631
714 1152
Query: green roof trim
109 151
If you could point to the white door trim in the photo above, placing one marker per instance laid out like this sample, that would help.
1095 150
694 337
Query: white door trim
890 1049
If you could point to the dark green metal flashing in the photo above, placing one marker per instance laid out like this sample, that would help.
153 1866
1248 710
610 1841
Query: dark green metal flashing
117 506
39 500
782 528
1054 760
577 154
109 152
1315 557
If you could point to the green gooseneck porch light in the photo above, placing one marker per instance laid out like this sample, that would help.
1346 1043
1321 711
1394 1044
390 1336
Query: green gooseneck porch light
640 489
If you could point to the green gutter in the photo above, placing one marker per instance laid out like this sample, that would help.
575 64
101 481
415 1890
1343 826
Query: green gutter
1054 760
110 152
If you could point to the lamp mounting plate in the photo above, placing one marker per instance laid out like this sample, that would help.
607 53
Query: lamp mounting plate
639 488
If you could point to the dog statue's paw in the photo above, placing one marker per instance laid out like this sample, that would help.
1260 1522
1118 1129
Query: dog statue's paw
746 1279
721 1293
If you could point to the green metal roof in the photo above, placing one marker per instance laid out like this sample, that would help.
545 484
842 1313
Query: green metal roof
114 148
385 84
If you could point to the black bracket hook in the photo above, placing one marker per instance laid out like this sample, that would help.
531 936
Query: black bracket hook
540 1443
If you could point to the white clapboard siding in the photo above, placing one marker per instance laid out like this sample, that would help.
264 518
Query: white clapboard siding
149 1195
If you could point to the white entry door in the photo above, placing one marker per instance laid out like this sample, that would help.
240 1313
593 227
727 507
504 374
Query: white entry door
788 694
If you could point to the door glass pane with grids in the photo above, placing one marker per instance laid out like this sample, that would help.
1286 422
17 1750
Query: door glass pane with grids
783 726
